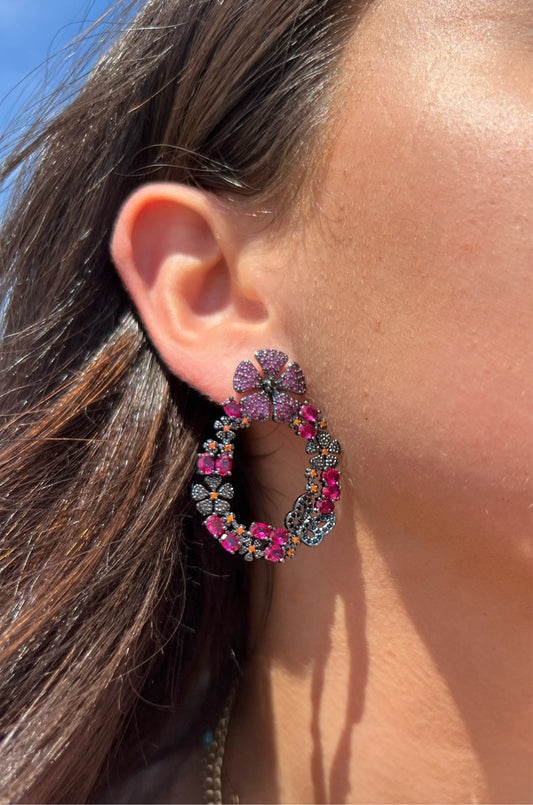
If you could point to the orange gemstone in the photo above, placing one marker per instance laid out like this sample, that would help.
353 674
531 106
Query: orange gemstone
313 473
214 495
297 421
240 530
296 540
290 552
323 423
245 420
212 445
227 448
227 427
251 549
229 518
314 487
325 451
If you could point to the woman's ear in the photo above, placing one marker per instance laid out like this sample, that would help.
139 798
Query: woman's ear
179 254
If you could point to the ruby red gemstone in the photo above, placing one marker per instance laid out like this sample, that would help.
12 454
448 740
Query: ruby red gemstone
232 409
279 536
309 412
325 506
273 553
230 543
260 530
332 492
331 477
307 430
206 463
214 525
224 465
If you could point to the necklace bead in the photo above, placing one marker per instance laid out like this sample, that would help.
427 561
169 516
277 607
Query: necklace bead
212 792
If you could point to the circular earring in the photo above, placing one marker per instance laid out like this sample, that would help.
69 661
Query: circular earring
269 394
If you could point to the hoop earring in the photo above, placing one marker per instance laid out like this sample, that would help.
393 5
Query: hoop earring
269 395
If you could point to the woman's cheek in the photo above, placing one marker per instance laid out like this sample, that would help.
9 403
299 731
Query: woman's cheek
421 258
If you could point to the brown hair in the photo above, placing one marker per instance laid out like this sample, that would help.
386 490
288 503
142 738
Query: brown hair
109 599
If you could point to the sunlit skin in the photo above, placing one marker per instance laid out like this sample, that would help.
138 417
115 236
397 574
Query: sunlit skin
396 661
415 281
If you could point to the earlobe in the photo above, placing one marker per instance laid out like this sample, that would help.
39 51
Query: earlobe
178 253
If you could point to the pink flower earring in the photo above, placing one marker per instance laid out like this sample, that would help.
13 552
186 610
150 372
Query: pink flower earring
269 395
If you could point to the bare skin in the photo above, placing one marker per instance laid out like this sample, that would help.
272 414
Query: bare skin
410 679
396 662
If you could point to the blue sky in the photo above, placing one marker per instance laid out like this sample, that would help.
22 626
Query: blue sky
31 30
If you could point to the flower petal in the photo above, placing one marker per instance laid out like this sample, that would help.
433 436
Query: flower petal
323 438
246 377
205 507
256 406
199 492
226 491
311 446
292 379
271 361
220 506
285 406
212 481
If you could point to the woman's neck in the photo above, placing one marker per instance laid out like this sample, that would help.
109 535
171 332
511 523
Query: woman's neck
390 669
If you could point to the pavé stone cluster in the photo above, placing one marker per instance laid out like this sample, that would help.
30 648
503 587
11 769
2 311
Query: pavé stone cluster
268 394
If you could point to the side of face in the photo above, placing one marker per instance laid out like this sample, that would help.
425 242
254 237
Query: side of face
410 292
405 293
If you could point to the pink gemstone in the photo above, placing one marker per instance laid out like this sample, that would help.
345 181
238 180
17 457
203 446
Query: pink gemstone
224 465
331 477
325 506
285 406
260 530
206 463
279 536
246 377
214 525
230 543
292 379
273 553
307 430
271 361
309 412
332 492
232 409
256 406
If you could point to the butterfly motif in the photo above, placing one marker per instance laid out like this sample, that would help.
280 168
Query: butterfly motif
271 392
308 524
